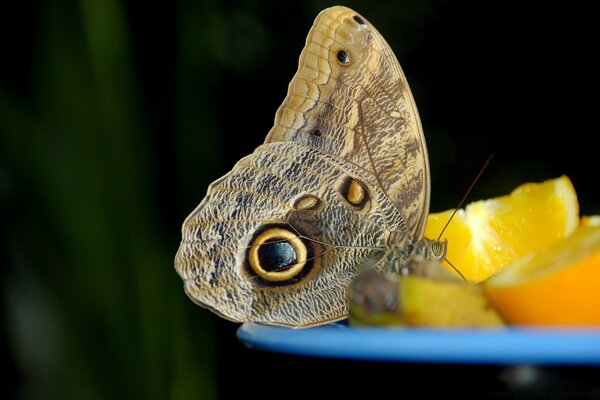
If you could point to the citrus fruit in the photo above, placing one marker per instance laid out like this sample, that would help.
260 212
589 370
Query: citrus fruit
489 234
556 285
590 220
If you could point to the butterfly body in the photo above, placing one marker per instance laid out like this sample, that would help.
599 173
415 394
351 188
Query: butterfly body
342 175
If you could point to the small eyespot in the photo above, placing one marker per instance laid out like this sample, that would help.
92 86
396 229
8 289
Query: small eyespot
356 194
359 20
343 57
308 202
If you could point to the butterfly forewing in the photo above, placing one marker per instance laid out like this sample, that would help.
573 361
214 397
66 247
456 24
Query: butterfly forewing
361 110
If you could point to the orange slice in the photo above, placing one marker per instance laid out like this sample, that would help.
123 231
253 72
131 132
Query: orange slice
555 286
489 234
590 220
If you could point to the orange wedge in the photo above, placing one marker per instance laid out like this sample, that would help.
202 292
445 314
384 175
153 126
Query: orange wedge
490 234
590 220
555 286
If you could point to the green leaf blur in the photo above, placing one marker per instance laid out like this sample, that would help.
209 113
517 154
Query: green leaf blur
94 308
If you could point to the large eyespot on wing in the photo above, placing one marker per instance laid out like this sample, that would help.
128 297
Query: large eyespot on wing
350 98
278 256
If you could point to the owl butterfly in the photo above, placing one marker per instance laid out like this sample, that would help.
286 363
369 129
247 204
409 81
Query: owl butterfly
342 178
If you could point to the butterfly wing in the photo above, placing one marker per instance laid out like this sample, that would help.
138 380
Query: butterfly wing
350 98
278 239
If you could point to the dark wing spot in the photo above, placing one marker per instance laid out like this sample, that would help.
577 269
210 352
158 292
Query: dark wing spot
359 20
276 256
316 132
343 57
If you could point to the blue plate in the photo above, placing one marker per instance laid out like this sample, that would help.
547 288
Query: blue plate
502 346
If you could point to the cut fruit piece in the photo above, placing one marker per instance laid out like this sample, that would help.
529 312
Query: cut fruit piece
590 220
558 285
430 302
390 300
490 234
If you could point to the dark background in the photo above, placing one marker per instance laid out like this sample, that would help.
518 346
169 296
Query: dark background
116 115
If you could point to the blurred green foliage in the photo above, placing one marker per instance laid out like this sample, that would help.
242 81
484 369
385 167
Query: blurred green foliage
116 115
93 306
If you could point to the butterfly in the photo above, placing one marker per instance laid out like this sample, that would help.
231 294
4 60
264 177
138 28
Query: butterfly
342 177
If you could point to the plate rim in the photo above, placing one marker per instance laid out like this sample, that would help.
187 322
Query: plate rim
507 345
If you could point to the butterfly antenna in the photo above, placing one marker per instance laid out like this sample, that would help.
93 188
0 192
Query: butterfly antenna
456 269
465 198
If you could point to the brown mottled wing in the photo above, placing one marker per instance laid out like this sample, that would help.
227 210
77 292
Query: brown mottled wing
351 99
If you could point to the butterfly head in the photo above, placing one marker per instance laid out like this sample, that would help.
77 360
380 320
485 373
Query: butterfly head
429 249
